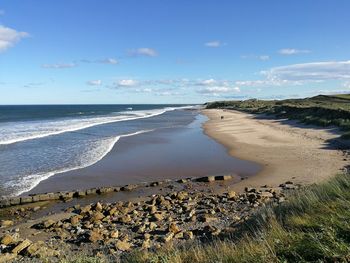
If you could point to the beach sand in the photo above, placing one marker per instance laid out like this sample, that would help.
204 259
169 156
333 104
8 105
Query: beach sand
286 149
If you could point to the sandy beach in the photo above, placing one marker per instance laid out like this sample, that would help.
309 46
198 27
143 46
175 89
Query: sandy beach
286 150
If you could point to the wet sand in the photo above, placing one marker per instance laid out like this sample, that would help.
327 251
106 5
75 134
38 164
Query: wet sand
170 153
286 149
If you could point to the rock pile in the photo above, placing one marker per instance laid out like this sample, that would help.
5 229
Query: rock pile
123 226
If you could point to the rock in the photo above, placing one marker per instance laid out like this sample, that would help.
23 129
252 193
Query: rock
97 216
125 219
252 197
91 191
6 223
129 187
48 223
7 257
206 218
74 220
94 236
181 195
152 226
168 237
207 179
250 190
15 200
211 230
33 248
26 199
223 177
21 246
182 181
104 190
36 208
146 244
79 194
266 195
188 235
85 209
5 202
157 217
98 207
66 195
7 240
179 235
173 228
114 234
116 189
113 211
231 194
123 245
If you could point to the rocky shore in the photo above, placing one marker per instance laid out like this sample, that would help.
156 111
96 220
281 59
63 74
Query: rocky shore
120 227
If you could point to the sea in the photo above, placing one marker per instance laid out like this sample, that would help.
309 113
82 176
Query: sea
39 141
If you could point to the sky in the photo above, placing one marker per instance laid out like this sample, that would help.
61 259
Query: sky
179 51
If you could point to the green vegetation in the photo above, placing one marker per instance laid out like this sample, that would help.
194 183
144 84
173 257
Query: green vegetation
320 110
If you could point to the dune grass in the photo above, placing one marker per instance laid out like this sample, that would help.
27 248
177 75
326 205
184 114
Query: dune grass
320 110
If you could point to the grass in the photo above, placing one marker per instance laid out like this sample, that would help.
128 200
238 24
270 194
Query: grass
319 110
312 226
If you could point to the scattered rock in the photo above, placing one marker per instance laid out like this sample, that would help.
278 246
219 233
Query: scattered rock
123 245
21 246
7 257
7 240
6 223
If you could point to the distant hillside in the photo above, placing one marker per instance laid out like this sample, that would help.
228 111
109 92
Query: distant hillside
320 110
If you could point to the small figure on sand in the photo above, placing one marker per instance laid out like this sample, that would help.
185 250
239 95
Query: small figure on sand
222 117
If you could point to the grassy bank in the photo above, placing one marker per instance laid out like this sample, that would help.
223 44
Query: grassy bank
313 225
319 110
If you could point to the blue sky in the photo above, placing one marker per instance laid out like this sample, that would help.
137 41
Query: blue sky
162 51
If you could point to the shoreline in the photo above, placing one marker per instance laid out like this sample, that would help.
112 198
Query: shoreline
285 149
150 157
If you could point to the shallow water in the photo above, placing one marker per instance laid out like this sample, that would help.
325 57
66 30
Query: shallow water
176 151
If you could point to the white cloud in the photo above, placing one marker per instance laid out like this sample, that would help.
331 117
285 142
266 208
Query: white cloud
208 82
112 61
9 37
346 85
259 57
59 65
299 74
264 57
96 82
292 51
143 51
108 61
126 83
215 90
316 71
214 44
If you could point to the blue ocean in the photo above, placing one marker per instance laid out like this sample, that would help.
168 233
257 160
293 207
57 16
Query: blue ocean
39 141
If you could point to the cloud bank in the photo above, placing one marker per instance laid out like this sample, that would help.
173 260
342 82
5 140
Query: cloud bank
9 37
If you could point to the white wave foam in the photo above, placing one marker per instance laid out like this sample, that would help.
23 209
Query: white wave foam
27 183
14 132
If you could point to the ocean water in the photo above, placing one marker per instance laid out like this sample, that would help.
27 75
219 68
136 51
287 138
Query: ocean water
37 142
